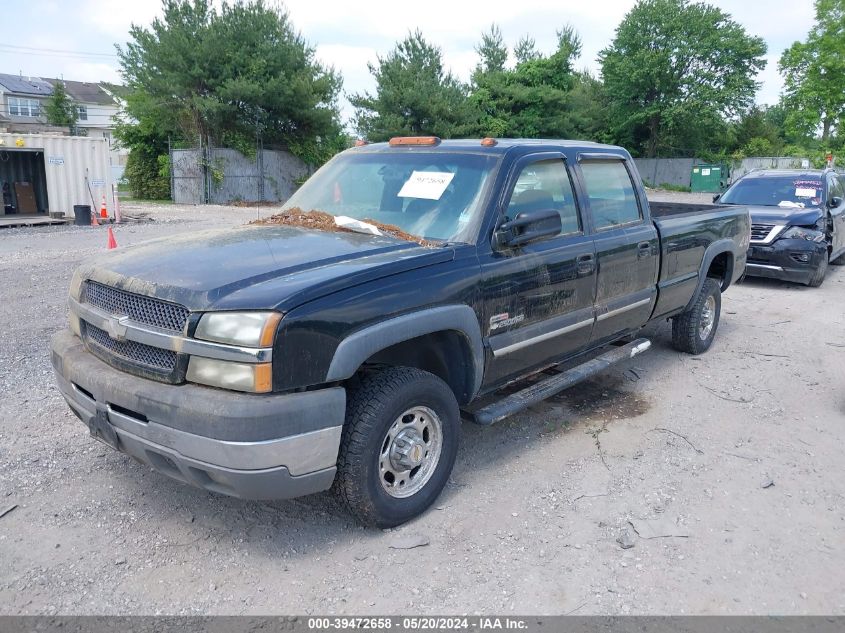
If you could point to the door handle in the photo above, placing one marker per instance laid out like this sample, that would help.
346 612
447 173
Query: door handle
643 249
586 264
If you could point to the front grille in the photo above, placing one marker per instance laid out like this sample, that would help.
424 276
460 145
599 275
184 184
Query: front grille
163 360
760 232
147 310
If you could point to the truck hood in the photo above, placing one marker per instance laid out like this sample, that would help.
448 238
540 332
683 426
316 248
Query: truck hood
256 267
784 215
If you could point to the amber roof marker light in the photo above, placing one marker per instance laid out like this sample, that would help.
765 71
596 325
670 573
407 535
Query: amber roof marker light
360 142
414 140
489 141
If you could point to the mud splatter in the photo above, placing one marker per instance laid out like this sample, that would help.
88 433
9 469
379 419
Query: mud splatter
322 221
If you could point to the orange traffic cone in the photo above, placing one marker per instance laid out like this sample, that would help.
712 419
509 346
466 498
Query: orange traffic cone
103 212
112 242
94 220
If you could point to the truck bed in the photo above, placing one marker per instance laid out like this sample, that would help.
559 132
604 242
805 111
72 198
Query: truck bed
685 232
665 209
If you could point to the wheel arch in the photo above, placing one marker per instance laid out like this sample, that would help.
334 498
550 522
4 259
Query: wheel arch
717 263
445 341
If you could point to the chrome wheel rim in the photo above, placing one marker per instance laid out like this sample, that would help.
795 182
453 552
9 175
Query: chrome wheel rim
708 318
410 452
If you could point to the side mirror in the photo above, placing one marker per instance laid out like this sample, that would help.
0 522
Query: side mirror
527 227
716 197
834 202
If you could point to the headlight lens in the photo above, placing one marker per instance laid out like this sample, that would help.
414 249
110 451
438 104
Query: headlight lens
250 329
256 378
801 233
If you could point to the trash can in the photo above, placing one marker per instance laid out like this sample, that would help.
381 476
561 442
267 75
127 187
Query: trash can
82 214
709 178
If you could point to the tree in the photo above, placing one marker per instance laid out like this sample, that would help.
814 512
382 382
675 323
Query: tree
492 51
60 109
537 97
756 132
227 76
814 74
414 95
675 68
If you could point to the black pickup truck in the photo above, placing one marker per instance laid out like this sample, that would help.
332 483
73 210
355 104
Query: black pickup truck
271 361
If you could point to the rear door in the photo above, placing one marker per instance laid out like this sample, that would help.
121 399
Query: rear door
627 248
538 299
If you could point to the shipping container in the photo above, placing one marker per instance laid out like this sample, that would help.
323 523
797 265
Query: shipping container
42 173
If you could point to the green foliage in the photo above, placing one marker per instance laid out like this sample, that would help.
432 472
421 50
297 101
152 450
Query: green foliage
542 96
200 74
814 74
145 174
414 95
60 109
674 71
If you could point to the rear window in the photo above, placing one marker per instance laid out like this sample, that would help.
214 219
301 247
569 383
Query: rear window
803 190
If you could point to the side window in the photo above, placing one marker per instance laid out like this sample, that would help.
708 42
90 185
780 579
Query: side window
543 186
611 193
835 187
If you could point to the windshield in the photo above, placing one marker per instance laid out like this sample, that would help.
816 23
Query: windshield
800 190
431 195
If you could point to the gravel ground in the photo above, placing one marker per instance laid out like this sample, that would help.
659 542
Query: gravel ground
721 475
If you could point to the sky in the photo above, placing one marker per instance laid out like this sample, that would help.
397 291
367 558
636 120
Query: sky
75 39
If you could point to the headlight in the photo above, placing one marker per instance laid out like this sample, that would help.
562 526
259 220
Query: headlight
800 233
250 329
256 378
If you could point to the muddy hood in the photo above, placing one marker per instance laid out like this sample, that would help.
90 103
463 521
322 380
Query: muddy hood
256 267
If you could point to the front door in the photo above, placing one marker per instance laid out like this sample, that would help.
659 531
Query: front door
538 299
627 248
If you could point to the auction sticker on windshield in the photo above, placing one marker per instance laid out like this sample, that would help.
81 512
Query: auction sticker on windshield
805 192
429 185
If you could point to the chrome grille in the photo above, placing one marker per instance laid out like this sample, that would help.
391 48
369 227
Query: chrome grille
760 232
147 310
132 351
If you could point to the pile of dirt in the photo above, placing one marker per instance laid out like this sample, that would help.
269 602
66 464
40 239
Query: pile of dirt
322 221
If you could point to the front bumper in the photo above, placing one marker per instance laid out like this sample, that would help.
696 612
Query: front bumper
243 445
780 260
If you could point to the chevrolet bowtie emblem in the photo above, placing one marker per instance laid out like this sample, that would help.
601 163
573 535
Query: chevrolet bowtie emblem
116 327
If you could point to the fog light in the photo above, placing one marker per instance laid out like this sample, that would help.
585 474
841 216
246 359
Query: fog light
801 257
256 378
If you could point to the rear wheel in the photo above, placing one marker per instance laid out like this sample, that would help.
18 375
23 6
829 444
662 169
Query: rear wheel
398 445
693 331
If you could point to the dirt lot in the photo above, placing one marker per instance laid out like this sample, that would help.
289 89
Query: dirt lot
682 449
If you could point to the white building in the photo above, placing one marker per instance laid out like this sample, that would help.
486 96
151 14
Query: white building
22 110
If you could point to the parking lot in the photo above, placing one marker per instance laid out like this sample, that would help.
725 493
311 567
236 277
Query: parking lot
722 474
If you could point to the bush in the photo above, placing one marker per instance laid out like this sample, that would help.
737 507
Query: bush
148 175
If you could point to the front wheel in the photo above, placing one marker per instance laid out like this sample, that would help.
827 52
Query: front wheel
820 272
693 331
398 445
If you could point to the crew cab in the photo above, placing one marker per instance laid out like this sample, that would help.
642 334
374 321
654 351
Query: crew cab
797 222
272 361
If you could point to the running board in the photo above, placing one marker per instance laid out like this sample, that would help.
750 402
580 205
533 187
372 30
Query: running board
539 391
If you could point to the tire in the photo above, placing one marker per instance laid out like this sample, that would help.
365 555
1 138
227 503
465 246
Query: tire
394 414
693 331
819 274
